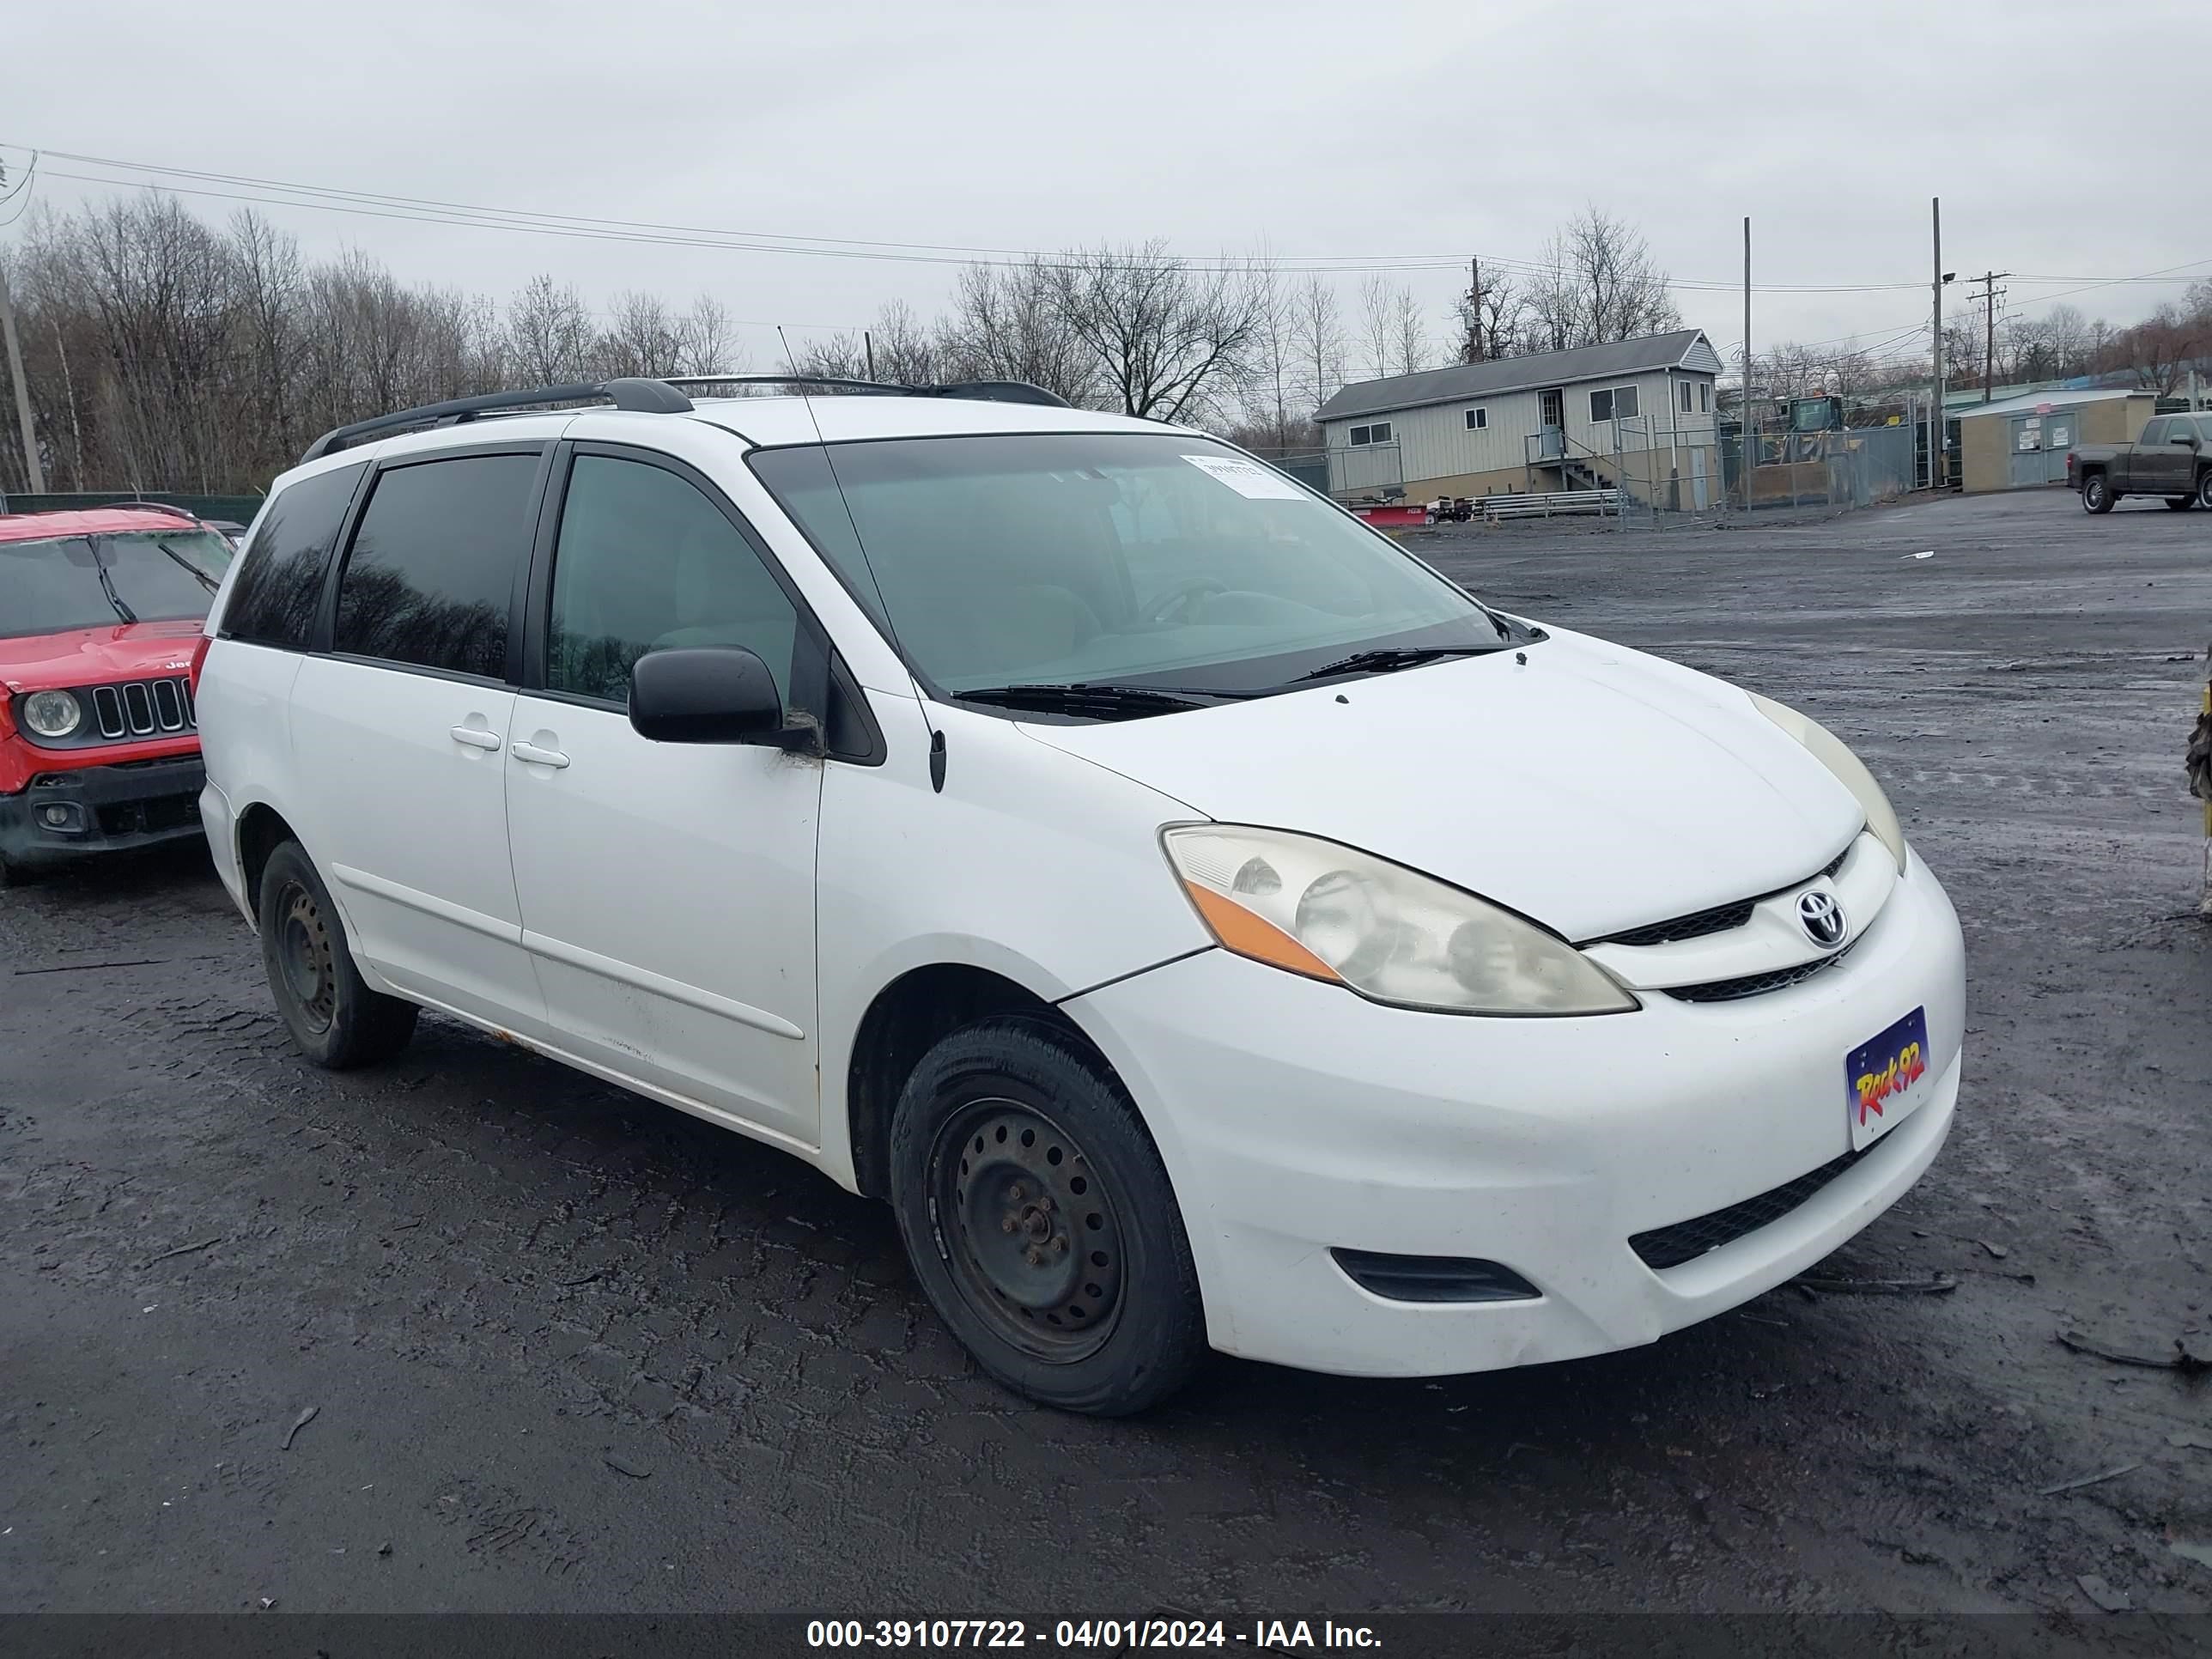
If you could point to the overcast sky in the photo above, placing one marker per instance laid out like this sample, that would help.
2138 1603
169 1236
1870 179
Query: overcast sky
1340 131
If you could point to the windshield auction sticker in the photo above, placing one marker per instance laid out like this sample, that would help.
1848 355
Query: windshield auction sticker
1248 478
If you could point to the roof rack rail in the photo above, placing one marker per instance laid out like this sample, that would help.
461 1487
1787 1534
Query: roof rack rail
1002 391
656 396
652 396
169 507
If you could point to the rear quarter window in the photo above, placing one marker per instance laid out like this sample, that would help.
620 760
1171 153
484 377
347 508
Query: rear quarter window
280 577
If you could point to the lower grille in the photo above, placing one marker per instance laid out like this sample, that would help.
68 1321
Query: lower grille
1685 1241
149 817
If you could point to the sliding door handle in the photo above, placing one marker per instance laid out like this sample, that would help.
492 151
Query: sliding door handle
531 753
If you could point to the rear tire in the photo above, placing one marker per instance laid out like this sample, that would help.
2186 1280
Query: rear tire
2096 494
339 1022
1038 1217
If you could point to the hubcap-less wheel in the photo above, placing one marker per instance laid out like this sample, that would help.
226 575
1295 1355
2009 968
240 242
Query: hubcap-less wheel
1028 1229
304 949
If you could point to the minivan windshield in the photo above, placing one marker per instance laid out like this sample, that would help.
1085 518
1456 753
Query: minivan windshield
63 582
1166 562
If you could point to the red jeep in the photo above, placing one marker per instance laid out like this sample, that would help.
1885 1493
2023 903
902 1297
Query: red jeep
100 626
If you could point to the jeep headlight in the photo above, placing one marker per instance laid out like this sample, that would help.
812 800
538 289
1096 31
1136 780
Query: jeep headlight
1849 770
52 713
1315 907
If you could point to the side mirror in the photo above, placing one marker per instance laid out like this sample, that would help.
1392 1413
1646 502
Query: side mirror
2186 439
708 694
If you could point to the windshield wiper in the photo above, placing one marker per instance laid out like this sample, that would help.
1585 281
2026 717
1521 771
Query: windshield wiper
1102 702
107 587
190 570
1387 660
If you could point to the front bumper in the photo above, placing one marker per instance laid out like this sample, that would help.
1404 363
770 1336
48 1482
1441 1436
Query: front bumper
1296 1118
102 809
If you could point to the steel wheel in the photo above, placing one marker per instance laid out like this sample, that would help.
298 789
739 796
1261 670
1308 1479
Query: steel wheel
1028 1228
303 951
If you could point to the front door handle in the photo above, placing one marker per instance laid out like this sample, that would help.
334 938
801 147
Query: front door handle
476 737
536 757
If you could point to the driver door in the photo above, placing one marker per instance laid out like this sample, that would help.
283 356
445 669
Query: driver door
667 890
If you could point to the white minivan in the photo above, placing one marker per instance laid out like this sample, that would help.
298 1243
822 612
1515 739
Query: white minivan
1205 925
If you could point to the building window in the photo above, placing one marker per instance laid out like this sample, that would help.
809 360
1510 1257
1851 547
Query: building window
1477 419
1704 396
1616 402
1377 434
1686 397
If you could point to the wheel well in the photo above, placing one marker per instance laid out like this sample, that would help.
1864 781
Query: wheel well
261 831
908 1018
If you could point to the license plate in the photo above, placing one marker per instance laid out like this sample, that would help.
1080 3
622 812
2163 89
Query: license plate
1883 1079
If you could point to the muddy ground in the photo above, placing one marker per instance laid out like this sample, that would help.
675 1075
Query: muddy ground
567 1351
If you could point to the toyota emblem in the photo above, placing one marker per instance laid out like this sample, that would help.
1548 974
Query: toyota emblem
1822 916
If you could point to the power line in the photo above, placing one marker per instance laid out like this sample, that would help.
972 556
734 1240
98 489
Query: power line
244 187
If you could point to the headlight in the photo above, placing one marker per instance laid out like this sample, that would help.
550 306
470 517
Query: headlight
52 713
1321 909
1850 771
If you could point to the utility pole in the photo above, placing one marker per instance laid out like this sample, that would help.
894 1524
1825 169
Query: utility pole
1935 414
32 470
1989 282
1744 439
1476 350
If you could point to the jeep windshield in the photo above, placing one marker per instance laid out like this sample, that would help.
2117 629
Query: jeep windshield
63 582
1044 572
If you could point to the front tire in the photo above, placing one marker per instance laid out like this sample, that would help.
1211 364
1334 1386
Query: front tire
1039 1218
339 1022
2096 494
2204 489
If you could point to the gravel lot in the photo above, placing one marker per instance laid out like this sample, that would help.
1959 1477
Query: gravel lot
568 1351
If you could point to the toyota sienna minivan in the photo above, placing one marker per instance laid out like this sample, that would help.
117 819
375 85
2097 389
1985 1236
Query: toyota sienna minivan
1206 925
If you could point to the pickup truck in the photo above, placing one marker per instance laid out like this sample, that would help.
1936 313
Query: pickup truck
2172 458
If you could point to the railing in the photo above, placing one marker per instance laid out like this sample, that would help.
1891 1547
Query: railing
1552 504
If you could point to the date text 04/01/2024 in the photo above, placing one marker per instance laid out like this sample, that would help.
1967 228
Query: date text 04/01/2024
1083 1633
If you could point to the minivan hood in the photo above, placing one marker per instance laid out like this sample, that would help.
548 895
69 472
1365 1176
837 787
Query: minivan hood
1592 788
92 656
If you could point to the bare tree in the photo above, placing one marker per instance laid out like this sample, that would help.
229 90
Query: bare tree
706 340
1006 323
1320 340
1274 365
904 352
548 331
1168 339
1410 346
641 338
1598 283
1378 316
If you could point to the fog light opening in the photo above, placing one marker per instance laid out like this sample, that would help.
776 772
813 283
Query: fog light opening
1433 1278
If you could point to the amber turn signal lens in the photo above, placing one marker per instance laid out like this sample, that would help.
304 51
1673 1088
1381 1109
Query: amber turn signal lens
1248 935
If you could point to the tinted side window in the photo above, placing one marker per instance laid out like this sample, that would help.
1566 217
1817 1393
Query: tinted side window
431 577
280 583
2154 433
646 563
